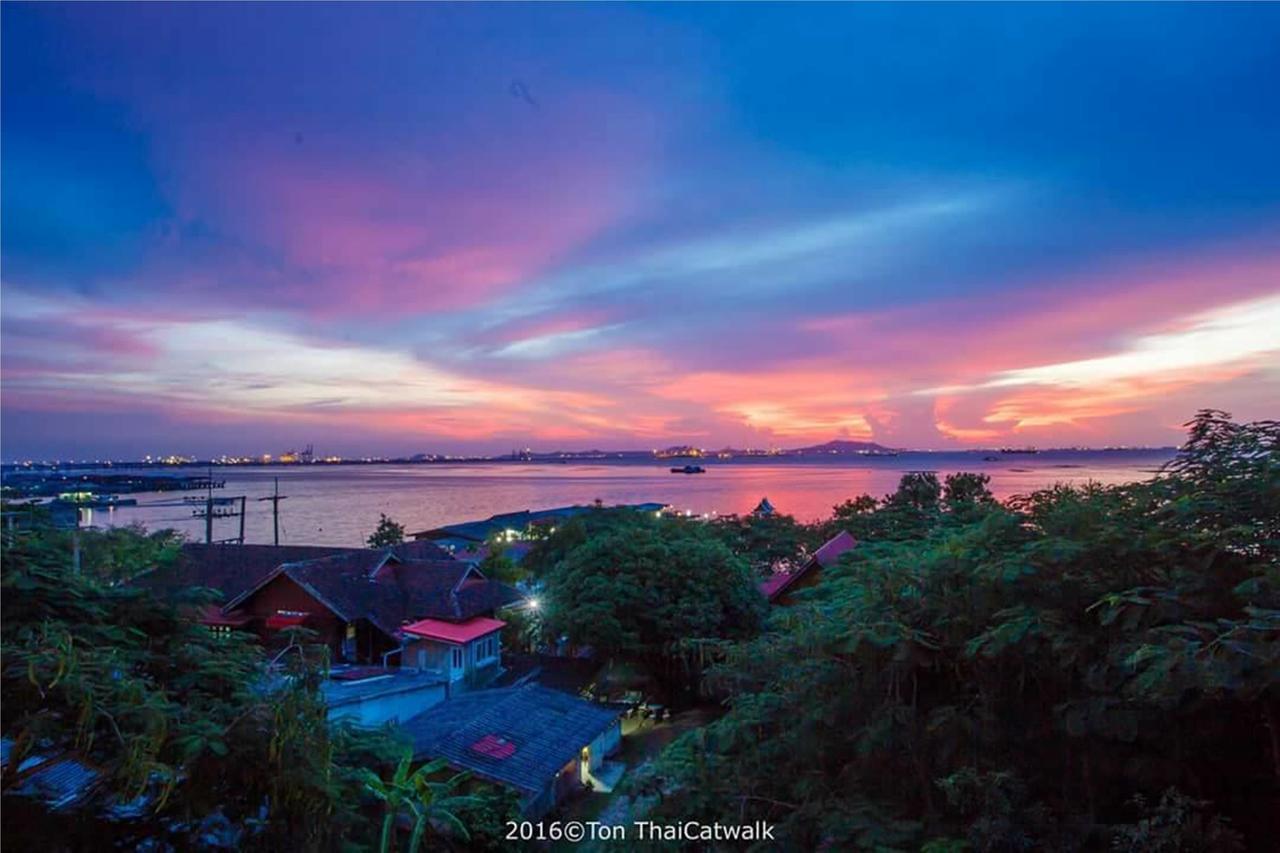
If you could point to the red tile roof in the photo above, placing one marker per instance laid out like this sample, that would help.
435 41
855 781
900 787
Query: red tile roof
454 632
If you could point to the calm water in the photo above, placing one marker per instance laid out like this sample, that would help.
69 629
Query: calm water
340 505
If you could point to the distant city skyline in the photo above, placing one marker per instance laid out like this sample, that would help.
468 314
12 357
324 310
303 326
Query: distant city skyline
416 228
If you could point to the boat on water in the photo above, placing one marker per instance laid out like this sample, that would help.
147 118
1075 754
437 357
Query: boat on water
689 469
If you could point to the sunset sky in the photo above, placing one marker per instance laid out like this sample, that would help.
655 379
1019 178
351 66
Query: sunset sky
419 228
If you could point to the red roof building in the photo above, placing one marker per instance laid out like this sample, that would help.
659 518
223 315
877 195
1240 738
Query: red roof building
454 632
778 586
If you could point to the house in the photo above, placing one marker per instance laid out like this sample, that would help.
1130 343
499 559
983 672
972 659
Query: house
357 600
540 742
231 569
780 586
359 604
764 508
468 651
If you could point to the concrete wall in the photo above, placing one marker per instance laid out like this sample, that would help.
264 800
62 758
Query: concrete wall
398 706
437 656
606 743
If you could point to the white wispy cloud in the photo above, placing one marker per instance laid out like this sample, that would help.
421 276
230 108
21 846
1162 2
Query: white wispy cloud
1228 335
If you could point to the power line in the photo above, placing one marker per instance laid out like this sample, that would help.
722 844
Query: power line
209 513
275 499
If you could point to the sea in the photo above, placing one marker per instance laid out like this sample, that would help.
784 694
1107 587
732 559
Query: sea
339 505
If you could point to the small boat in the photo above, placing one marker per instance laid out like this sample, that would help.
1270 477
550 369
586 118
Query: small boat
991 459
689 469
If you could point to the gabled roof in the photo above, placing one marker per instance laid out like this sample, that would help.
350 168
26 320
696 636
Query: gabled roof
518 736
388 591
763 508
828 555
236 569
454 632
831 551
230 569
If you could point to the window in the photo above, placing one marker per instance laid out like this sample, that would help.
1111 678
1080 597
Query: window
457 657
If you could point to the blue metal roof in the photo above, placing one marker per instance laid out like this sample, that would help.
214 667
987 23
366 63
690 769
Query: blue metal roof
547 729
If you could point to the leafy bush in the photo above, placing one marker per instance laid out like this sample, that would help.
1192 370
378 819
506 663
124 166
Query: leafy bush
1012 675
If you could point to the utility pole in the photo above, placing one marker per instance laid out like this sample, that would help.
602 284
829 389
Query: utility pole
242 499
275 511
208 511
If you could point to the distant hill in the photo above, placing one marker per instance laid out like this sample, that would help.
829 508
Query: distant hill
838 447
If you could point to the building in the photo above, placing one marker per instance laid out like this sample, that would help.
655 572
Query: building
360 603
540 742
373 695
469 535
466 653
780 586
357 600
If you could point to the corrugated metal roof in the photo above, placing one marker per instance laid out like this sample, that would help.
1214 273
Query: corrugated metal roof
454 632
541 730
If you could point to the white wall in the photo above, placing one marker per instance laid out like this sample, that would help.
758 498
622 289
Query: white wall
400 706
606 743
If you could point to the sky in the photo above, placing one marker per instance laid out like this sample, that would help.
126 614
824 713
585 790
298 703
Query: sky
419 228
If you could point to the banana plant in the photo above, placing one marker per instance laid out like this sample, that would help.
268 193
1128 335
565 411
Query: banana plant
431 804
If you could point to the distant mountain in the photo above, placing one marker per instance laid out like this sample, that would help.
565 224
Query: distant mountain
840 446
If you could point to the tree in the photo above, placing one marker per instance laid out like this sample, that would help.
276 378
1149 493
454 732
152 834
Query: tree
1023 676
767 542
186 726
388 532
963 492
635 590
550 548
498 564
117 554
431 805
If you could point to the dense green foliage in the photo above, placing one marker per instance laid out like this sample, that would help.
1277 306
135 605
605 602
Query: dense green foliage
388 532
431 805
498 564
552 545
1081 668
768 543
637 586
193 725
